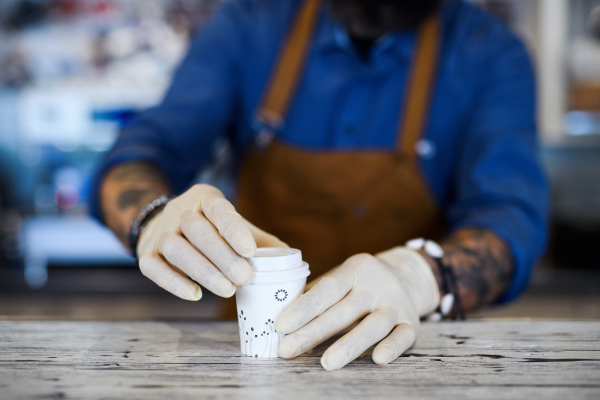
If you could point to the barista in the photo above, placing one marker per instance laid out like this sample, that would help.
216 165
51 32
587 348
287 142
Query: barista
357 125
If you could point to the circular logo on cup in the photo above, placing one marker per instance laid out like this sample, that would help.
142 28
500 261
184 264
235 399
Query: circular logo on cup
281 295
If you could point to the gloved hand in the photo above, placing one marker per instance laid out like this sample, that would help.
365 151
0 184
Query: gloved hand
391 290
200 235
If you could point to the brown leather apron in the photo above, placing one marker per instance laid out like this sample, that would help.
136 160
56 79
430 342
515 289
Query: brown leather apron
333 204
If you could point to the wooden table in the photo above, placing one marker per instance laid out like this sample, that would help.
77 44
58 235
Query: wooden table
202 360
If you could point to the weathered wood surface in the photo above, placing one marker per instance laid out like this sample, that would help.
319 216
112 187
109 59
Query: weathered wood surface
202 360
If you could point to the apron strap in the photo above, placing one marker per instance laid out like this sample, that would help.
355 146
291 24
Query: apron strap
420 84
289 66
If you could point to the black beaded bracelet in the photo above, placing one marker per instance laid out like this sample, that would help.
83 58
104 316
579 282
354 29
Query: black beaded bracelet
145 213
449 285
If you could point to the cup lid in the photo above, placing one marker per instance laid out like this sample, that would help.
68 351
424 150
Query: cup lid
275 259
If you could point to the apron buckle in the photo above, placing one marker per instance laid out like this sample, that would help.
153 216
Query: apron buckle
266 124
264 138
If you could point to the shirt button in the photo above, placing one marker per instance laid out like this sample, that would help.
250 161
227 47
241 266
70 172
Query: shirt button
349 130
426 149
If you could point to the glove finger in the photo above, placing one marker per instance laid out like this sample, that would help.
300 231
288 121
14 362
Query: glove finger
369 331
153 267
327 292
231 226
181 254
312 283
204 236
264 239
390 348
337 318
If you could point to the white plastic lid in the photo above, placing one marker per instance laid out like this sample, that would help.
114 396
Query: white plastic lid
278 264
275 259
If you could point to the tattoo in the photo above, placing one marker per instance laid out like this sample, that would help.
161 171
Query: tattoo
482 262
133 197
124 191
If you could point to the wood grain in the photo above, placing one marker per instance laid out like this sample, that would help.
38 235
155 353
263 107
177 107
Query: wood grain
181 360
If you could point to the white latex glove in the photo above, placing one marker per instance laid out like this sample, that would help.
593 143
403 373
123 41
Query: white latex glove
199 235
391 290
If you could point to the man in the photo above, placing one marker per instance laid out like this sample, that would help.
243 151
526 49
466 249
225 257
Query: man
357 125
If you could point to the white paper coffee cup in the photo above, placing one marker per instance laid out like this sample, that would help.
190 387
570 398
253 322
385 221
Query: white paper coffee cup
279 278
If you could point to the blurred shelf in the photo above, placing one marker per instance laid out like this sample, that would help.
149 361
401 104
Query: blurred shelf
76 241
73 241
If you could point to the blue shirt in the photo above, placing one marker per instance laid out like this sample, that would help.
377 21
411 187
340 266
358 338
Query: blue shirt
481 134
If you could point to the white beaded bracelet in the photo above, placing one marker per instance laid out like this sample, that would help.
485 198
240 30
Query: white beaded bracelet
436 252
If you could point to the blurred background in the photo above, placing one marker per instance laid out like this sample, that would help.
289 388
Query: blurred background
72 72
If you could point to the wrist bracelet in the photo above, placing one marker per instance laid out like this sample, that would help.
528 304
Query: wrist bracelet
145 213
449 285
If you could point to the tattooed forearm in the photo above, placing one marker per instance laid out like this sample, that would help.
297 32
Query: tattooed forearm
125 190
482 262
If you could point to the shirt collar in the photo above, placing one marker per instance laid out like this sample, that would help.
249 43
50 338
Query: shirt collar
332 36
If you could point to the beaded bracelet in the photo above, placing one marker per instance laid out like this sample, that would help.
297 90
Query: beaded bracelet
449 285
145 213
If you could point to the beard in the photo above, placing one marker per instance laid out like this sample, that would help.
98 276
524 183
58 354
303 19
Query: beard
370 19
